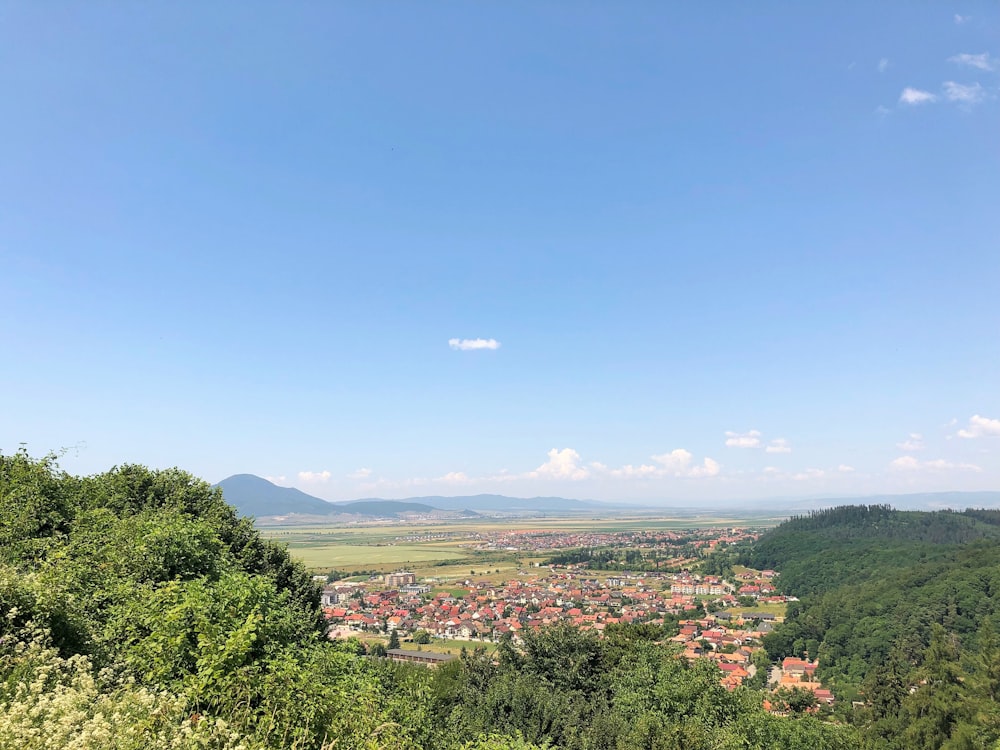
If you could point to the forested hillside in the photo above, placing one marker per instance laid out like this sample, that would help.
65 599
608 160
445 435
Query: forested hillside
899 607
138 611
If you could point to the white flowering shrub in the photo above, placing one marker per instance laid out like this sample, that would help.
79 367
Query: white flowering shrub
52 703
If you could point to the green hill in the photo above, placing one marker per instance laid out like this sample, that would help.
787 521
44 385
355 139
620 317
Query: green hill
898 607
253 496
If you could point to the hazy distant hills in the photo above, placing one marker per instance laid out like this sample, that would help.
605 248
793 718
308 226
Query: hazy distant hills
254 496
257 497
381 507
504 504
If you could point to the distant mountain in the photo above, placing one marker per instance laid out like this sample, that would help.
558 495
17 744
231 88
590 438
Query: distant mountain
504 504
253 496
381 507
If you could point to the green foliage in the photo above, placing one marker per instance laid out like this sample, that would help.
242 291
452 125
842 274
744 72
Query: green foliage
139 611
576 691
898 607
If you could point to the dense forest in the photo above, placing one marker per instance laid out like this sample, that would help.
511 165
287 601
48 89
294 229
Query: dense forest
138 611
899 607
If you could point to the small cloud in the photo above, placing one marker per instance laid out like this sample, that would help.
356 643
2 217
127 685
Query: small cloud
882 111
742 440
916 96
915 442
562 464
276 480
454 477
939 464
883 65
678 463
959 20
314 476
467 345
362 473
803 476
909 463
845 469
779 445
980 427
628 471
964 94
981 61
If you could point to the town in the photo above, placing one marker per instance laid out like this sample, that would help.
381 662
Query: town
717 619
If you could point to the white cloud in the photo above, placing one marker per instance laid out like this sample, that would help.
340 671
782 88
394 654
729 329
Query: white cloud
916 96
362 473
562 464
940 464
845 469
314 476
276 480
779 445
915 442
964 94
466 345
981 427
678 463
809 474
742 440
905 463
882 111
909 463
959 20
982 62
883 65
453 477
628 471
709 468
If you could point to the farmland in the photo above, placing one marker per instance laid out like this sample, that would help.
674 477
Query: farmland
448 550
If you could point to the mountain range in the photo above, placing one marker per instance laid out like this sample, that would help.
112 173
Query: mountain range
254 496
257 497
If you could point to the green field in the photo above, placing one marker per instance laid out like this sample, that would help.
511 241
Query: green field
389 546
355 557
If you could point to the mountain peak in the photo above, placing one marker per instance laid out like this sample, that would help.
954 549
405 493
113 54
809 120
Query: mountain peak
255 496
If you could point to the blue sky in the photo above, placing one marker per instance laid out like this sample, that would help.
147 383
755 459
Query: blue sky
615 251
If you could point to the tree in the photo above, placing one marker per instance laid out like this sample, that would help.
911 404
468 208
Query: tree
940 703
393 640
797 699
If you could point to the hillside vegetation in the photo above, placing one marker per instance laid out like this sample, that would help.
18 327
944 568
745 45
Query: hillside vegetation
899 607
138 611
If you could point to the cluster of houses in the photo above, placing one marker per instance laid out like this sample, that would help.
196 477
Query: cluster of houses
490 610
534 540
728 635
800 673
